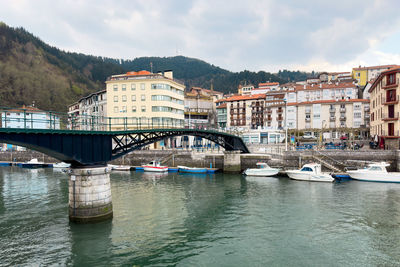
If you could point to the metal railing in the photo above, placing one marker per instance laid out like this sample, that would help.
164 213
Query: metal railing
390 116
30 118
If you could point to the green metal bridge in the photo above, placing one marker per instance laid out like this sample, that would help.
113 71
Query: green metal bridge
94 140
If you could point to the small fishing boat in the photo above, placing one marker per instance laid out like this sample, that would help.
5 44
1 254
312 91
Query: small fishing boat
310 172
121 168
375 172
154 166
192 169
34 163
262 170
61 165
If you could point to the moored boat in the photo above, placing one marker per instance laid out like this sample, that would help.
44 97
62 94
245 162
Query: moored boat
154 166
34 163
192 169
121 168
263 169
375 172
61 165
310 172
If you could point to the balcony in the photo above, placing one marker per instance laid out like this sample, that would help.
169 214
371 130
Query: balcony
269 112
390 117
385 85
366 108
342 109
279 111
332 110
394 133
390 100
269 118
332 118
342 118
366 115
308 119
279 118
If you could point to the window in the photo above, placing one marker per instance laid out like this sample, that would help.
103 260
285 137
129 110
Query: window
143 108
124 98
391 79
133 108
357 114
142 86
115 109
115 87
115 98
133 86
133 98
123 110
143 97
124 87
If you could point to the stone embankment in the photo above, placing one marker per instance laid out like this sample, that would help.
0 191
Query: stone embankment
231 162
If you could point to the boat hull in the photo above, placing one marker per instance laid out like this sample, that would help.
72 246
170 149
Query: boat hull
192 170
154 169
375 177
305 176
261 172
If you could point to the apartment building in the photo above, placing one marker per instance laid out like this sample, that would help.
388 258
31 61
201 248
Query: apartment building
240 108
200 106
384 97
325 91
334 116
365 74
222 116
89 112
29 118
145 98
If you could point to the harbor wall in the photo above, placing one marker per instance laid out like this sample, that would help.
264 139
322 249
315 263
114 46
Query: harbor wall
285 160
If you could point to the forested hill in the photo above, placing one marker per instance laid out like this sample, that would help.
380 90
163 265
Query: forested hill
31 70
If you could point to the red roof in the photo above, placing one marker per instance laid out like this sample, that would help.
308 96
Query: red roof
222 105
268 84
375 67
141 72
244 97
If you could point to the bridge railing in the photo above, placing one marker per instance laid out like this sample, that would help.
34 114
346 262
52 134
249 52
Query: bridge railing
32 118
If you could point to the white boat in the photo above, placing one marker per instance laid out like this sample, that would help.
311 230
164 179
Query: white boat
154 166
61 165
375 172
192 169
262 170
34 163
310 172
121 168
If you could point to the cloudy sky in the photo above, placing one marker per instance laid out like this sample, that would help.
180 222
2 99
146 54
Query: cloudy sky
236 35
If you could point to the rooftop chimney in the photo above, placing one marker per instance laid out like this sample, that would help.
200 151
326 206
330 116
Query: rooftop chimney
168 74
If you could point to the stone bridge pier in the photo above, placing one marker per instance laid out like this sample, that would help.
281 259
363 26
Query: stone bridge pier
90 194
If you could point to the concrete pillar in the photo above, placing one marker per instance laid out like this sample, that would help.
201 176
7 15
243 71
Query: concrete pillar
232 162
90 194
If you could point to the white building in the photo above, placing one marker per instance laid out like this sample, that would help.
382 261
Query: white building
29 118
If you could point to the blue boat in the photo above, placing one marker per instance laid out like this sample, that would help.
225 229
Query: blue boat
192 169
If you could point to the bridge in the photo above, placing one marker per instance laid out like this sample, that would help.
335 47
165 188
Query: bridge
89 142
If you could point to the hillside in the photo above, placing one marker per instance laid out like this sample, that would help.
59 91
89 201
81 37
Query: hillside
31 70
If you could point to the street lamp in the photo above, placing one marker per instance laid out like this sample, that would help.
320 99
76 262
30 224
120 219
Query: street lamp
286 143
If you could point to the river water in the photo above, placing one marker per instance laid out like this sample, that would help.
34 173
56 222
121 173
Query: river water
201 220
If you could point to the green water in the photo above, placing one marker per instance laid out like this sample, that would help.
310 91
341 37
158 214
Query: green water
195 220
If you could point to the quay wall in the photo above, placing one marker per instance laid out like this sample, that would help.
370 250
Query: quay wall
285 160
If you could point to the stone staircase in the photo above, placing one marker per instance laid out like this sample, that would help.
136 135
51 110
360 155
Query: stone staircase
328 162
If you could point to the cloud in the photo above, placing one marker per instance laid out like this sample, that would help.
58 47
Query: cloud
236 35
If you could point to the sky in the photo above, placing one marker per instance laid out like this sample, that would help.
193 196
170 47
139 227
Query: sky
235 35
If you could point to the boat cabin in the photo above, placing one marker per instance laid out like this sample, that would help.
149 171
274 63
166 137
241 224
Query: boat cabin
378 167
312 167
262 165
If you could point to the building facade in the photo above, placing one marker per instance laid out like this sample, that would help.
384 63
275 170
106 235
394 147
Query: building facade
29 118
385 108
366 74
145 99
